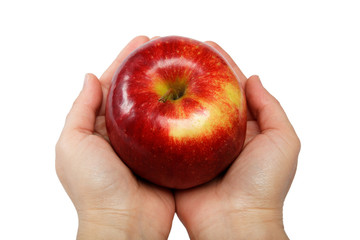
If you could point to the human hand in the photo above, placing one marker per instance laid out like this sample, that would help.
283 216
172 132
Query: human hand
111 202
247 201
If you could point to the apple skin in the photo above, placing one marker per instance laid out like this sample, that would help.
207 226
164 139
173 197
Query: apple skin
176 143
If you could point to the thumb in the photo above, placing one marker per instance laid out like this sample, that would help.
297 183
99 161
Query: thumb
265 108
82 115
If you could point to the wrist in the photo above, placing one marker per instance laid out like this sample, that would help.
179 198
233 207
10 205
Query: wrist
249 224
104 224
265 224
113 224
90 230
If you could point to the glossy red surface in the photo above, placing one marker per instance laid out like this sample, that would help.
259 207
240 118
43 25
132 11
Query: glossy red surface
177 143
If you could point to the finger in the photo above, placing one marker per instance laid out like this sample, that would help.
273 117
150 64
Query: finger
106 78
232 63
82 115
265 108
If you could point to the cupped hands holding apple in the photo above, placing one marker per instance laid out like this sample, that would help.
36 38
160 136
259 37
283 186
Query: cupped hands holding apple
245 202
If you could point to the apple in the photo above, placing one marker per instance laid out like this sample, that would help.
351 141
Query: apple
176 112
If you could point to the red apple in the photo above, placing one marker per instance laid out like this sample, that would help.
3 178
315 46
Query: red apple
176 113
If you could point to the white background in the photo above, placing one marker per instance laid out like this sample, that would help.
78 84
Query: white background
306 53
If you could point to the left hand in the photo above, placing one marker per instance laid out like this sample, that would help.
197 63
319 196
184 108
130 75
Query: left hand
110 200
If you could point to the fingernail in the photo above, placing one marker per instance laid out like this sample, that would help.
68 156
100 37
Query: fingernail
86 79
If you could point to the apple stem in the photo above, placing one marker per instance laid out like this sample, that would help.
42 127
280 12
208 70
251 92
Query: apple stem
168 95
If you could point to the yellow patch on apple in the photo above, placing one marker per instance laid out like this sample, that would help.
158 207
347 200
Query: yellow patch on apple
202 123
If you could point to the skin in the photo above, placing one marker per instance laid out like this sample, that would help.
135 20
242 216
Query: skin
112 203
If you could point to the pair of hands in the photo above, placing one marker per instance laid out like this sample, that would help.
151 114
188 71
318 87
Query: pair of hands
112 203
